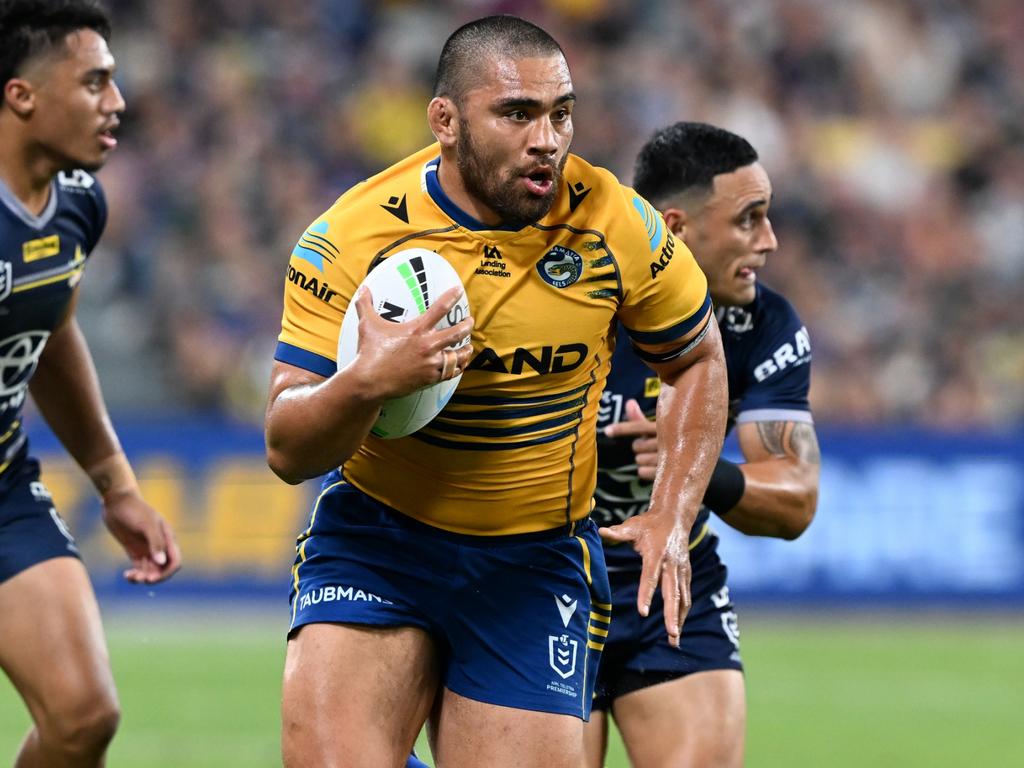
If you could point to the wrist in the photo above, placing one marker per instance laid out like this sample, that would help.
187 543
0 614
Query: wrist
726 487
113 476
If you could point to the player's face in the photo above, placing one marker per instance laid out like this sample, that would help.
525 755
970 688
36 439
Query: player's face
514 135
77 103
731 236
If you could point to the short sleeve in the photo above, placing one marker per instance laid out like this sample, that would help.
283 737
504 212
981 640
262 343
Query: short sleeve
665 293
316 295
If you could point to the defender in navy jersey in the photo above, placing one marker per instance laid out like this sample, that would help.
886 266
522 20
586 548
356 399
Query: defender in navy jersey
686 706
58 110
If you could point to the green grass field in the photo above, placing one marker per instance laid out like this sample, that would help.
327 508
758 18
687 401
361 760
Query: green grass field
200 690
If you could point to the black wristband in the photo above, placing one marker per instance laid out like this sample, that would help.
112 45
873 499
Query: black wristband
725 488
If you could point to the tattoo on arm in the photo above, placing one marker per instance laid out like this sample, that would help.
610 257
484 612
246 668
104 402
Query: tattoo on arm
772 434
803 442
788 438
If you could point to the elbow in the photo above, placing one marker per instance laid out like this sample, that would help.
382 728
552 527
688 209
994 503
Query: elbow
282 469
801 517
282 466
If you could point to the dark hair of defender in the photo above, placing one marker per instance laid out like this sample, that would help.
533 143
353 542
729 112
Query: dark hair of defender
687 156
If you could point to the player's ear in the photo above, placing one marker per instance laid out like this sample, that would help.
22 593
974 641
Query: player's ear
20 97
676 220
443 118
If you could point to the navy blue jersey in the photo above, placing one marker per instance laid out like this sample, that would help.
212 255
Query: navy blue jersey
768 356
41 261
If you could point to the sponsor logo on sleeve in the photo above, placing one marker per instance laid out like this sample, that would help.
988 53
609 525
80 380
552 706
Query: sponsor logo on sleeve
786 356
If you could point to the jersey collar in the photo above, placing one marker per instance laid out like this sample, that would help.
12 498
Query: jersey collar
453 211
15 206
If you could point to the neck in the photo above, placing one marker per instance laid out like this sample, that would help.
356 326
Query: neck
451 181
26 173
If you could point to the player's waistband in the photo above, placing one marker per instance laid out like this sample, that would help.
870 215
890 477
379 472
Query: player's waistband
363 504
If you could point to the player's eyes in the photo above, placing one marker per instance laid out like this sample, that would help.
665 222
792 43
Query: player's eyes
562 115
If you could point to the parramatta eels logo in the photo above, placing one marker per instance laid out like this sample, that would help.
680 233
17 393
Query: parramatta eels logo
560 267
18 357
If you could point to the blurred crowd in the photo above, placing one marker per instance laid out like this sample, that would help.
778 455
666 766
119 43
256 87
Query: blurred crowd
893 132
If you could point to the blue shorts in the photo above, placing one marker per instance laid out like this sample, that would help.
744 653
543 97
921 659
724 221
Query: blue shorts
31 531
637 654
519 621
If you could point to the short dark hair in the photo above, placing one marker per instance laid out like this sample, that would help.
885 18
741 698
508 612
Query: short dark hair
31 27
686 157
504 35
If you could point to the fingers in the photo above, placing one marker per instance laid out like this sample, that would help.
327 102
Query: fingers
633 411
675 593
670 597
441 307
649 578
364 303
635 424
617 534
162 560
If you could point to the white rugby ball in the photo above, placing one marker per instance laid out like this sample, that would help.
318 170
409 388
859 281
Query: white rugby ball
403 286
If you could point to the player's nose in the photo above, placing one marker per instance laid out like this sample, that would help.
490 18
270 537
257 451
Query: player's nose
543 138
766 241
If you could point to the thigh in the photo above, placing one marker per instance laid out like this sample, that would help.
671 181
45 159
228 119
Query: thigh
470 734
694 721
356 695
52 646
595 739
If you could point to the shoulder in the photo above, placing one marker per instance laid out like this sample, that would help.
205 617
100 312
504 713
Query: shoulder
769 315
80 189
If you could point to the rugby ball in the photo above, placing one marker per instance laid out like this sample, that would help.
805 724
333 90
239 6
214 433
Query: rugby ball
403 287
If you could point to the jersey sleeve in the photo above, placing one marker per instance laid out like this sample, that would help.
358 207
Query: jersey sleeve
99 222
665 294
778 372
316 294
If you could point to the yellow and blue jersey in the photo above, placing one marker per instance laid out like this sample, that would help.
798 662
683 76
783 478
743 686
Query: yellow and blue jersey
514 449
41 262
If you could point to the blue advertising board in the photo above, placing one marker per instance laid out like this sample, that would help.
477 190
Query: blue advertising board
904 517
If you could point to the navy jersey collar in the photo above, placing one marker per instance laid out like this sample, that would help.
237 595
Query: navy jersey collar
15 206
453 211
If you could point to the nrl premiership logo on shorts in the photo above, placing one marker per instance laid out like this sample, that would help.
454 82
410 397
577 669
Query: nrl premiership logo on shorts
6 279
562 655
560 267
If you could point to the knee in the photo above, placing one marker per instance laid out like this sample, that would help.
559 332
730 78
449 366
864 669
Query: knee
84 729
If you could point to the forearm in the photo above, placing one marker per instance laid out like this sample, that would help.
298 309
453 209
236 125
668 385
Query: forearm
67 392
691 420
779 498
313 428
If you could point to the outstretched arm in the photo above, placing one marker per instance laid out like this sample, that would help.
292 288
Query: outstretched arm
67 392
692 410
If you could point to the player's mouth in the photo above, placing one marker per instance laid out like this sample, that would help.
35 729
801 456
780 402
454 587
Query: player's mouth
538 181
107 136
748 273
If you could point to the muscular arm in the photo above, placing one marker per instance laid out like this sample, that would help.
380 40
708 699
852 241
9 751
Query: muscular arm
692 411
315 424
782 471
